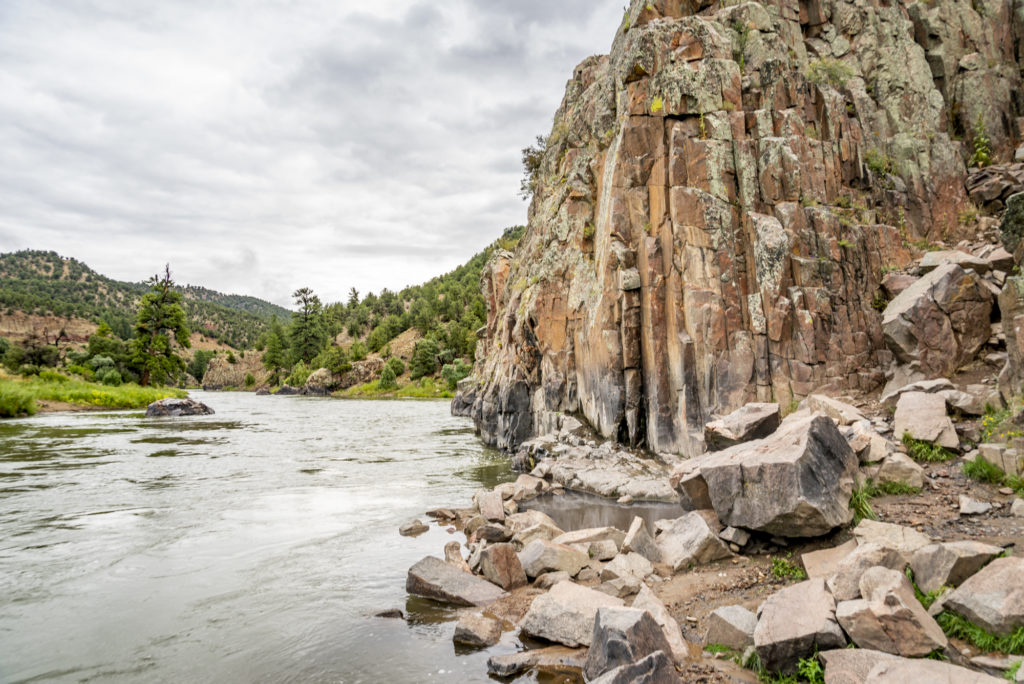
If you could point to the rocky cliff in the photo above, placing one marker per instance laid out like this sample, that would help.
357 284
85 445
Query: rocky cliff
719 200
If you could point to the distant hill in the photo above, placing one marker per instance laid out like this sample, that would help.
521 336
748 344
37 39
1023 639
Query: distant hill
38 282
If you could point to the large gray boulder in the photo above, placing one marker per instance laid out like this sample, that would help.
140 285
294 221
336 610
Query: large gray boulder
852 665
923 417
993 598
795 483
172 407
889 618
477 630
794 623
690 540
656 668
434 579
540 556
907 670
845 581
622 636
940 321
731 626
639 540
752 421
904 539
646 600
566 614
950 563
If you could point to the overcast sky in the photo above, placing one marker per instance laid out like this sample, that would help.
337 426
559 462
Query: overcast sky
264 145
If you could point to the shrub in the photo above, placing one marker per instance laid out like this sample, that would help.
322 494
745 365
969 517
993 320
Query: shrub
454 372
783 568
983 471
878 162
396 365
959 627
82 371
424 359
830 71
860 501
250 380
28 369
52 376
16 402
101 361
111 378
387 379
300 373
982 151
926 451
357 351
231 357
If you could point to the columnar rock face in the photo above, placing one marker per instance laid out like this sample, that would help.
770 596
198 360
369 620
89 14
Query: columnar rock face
717 202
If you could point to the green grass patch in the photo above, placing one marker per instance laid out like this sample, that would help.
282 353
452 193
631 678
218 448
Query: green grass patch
860 501
784 568
1011 673
924 599
15 401
926 452
982 470
424 388
718 648
958 627
896 488
82 393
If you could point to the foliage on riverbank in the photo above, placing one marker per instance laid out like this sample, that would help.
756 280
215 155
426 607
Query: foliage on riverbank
424 388
18 396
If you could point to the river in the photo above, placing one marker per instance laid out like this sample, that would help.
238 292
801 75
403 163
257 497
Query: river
252 545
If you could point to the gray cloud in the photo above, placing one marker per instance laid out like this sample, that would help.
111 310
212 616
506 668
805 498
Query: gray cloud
263 145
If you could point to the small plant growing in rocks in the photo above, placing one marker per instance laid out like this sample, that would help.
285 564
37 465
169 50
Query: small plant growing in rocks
982 150
783 568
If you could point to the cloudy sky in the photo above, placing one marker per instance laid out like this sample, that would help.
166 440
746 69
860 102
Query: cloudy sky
264 145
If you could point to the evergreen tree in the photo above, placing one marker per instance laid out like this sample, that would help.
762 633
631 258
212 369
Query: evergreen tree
159 325
308 334
424 359
387 379
275 356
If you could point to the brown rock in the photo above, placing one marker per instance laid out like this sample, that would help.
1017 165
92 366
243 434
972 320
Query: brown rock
794 622
500 565
477 630
993 598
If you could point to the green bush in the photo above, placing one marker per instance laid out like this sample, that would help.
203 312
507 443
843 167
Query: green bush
111 378
983 471
28 369
396 365
357 351
250 380
830 71
52 376
783 568
300 373
15 402
82 371
231 358
387 379
454 372
926 451
424 359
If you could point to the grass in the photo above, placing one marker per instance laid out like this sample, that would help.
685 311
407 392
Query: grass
926 452
982 470
924 599
424 388
1011 674
718 648
808 669
896 488
958 627
998 426
860 502
21 395
783 568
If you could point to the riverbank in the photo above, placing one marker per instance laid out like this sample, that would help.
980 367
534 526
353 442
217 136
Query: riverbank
56 392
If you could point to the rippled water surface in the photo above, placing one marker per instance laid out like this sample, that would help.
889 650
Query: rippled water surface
251 545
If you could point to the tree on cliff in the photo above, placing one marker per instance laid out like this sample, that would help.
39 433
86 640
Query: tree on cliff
533 157
308 333
159 324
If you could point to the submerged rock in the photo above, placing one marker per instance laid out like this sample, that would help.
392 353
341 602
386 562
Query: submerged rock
435 579
477 630
172 407
549 659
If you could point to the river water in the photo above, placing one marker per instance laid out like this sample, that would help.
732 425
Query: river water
252 545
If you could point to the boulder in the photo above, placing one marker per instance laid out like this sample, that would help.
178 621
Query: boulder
734 535
752 421
823 562
517 522
1017 508
622 636
950 563
549 659
656 668
841 412
932 260
731 626
412 528
1012 225
620 587
543 531
900 468
594 534
923 417
992 598
492 532
794 622
434 579
939 322
627 565
566 614
500 565
600 550
172 407
550 579
540 556
845 581
938 385
453 556
906 540
889 618
491 507
969 506
795 483
690 540
852 665
906 670
639 540
477 630
646 600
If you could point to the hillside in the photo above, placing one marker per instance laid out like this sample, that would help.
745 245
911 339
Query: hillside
42 283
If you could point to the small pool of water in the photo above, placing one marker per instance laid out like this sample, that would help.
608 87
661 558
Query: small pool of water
578 510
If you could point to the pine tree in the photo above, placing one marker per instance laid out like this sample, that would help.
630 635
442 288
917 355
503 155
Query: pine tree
159 325
275 356
308 334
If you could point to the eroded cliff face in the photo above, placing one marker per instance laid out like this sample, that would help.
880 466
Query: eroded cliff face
719 199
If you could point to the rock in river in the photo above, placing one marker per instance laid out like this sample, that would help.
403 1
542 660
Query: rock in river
434 579
169 407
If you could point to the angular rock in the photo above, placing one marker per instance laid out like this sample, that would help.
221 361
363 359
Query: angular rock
852 665
940 322
823 562
656 668
923 417
969 506
735 536
173 407
603 550
639 540
889 618
795 622
938 385
646 600
845 581
906 670
477 630
900 468
690 540
500 565
543 531
731 626
566 614
992 598
517 522
841 412
622 636
492 532
627 565
620 587
906 540
491 507
412 528
550 579
795 483
752 421
950 563
1017 508
540 556
592 535
932 260
549 659
434 579
453 556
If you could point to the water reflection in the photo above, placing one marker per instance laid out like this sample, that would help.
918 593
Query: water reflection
576 511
